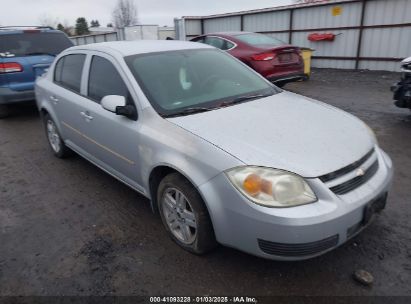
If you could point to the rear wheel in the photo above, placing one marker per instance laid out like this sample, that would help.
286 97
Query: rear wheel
55 142
185 215
4 111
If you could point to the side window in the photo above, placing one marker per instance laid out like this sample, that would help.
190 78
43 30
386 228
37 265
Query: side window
68 71
215 42
228 45
219 43
57 70
199 40
104 80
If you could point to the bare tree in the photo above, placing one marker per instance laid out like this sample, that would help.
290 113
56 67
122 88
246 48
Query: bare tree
68 28
125 13
47 20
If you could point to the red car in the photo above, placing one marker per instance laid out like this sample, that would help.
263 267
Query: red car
275 60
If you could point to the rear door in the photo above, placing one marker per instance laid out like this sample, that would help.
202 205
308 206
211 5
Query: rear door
65 96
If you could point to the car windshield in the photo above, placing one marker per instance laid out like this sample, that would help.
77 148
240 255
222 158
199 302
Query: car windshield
181 82
36 43
259 39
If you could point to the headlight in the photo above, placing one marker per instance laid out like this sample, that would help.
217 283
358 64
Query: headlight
271 187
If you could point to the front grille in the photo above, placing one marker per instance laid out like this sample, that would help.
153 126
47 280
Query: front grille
296 250
356 181
347 169
347 186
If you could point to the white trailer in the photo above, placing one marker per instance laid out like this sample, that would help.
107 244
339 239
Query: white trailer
139 32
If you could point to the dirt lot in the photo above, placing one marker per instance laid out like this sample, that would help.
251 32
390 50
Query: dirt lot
67 228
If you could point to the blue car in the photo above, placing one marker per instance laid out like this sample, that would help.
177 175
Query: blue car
25 54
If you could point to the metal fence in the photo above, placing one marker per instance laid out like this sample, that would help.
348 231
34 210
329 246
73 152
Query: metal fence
104 37
137 32
373 34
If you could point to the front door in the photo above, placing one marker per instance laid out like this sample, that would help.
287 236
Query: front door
112 139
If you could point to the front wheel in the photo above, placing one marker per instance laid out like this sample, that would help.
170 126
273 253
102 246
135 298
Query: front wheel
185 215
55 142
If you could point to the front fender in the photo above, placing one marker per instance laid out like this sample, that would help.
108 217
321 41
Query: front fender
165 144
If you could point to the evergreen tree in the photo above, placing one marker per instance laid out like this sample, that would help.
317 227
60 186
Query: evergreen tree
81 26
60 27
94 23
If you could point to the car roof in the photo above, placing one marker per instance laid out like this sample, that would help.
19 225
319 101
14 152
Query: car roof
228 34
8 30
127 48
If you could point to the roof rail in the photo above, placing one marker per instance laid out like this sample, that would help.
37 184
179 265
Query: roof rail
19 27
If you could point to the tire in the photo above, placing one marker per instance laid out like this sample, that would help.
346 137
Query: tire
4 111
177 218
56 144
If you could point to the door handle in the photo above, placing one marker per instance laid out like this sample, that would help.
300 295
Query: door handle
54 99
86 115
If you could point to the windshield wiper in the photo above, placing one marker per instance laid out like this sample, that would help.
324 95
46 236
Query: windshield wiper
241 99
189 111
223 104
40 53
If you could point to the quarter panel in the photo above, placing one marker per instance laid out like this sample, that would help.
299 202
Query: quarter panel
43 89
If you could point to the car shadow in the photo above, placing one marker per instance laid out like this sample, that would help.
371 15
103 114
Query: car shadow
25 111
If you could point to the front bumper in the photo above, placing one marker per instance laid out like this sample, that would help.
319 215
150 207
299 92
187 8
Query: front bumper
8 96
402 93
294 233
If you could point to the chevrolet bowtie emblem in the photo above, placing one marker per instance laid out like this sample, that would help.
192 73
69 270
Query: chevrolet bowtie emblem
360 172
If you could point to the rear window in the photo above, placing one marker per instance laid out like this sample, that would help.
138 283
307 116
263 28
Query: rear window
259 39
26 44
68 71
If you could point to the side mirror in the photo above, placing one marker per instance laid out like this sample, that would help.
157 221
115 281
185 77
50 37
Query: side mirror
111 102
117 104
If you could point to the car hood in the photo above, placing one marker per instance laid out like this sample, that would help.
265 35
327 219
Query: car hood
284 131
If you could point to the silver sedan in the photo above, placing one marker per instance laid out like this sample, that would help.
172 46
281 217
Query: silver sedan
223 155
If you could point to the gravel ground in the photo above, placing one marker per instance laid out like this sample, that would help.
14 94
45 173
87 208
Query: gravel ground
67 228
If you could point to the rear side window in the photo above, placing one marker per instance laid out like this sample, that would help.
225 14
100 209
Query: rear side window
219 43
34 43
259 39
199 40
104 80
68 71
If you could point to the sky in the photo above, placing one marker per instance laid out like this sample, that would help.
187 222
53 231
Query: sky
161 12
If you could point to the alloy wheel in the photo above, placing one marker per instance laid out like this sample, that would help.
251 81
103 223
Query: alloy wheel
53 136
179 215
